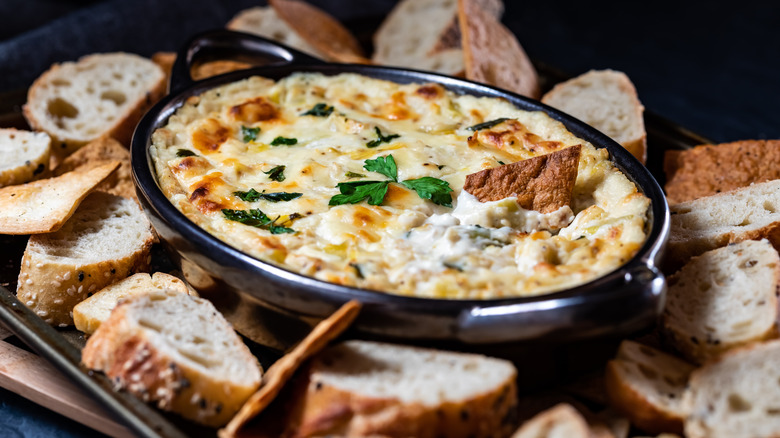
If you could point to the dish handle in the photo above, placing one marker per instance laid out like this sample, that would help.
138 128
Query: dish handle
237 46
622 305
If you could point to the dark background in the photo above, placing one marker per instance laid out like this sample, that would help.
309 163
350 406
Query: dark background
711 67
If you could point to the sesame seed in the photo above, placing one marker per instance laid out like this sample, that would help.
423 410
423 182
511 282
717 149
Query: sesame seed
93 287
66 276
27 263
81 288
56 283
28 281
42 313
195 398
62 324
106 274
30 303
58 301
34 297
39 265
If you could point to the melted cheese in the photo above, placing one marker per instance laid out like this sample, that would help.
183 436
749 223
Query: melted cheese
407 245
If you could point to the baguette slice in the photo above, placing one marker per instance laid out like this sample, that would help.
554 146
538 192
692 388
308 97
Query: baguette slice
560 421
106 239
177 351
24 156
90 313
722 299
647 385
606 100
360 388
265 22
736 395
99 152
709 169
749 213
101 94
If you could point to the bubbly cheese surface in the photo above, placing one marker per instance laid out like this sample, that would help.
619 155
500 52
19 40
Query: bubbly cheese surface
234 139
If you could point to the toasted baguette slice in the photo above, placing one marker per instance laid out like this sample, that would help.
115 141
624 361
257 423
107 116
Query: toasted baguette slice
106 239
24 156
560 421
647 385
265 22
749 213
177 351
96 153
101 94
736 395
90 313
606 100
361 388
709 169
722 299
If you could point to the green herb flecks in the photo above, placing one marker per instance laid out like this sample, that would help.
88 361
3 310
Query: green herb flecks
381 138
253 195
384 165
181 153
276 174
354 175
487 125
284 141
355 192
319 110
249 134
256 218
428 187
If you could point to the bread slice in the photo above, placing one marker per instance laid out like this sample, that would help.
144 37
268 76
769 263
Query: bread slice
722 299
100 94
736 395
177 351
492 54
606 100
43 206
560 421
749 213
99 152
107 239
265 22
24 156
93 311
425 35
361 388
646 385
709 169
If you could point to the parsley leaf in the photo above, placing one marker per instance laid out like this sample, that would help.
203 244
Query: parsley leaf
181 153
319 110
356 191
276 174
256 218
249 134
487 125
384 165
381 138
354 175
253 196
284 141
428 187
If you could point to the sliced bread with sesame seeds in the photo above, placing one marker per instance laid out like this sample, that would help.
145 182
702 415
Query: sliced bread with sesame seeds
722 299
560 421
177 351
106 239
100 94
24 156
90 313
646 385
362 388
736 395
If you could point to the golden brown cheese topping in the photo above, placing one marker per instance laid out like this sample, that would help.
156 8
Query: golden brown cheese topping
359 181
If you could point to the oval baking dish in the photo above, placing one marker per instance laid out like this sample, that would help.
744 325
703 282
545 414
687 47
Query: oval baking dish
624 300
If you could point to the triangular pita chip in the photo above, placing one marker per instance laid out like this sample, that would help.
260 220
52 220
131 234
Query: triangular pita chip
320 30
99 152
282 370
492 53
542 183
43 206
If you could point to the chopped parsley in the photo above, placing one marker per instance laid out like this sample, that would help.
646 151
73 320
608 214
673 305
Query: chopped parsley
354 175
181 153
256 218
276 174
487 125
249 134
284 141
500 162
427 187
253 196
381 138
319 110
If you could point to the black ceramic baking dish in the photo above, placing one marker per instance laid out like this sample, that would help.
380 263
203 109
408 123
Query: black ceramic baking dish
622 301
